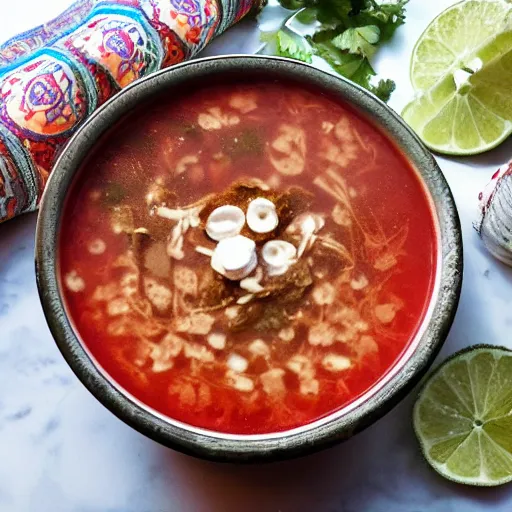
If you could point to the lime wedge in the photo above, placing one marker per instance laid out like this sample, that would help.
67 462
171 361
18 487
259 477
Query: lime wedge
454 37
462 70
463 417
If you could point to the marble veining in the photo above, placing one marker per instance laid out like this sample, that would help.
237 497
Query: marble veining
61 451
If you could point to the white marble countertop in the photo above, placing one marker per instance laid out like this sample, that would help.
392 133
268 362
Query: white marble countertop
61 451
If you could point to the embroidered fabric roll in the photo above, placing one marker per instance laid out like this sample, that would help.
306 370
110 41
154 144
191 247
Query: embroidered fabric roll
54 76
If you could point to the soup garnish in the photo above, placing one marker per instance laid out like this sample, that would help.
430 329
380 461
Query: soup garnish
247 258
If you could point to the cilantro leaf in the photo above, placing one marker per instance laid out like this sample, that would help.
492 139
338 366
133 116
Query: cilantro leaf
359 40
388 17
334 13
355 67
348 34
292 47
307 15
292 5
288 45
384 89
364 74
346 64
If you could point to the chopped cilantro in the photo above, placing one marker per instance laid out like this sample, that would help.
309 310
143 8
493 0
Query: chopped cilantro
346 34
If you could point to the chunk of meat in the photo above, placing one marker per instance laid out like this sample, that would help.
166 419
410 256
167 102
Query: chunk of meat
385 313
237 363
288 150
196 323
118 307
199 352
185 162
243 102
185 280
164 352
158 294
322 334
215 119
217 340
366 346
324 293
239 382
336 362
259 348
341 216
273 383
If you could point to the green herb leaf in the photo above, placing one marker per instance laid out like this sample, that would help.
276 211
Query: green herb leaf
384 89
292 47
292 5
307 16
388 17
344 63
359 40
334 13
364 74
352 66
349 32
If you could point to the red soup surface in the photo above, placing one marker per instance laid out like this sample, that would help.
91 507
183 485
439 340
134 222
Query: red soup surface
247 258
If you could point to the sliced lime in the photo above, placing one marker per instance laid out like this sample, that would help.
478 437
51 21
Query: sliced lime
454 37
463 417
462 71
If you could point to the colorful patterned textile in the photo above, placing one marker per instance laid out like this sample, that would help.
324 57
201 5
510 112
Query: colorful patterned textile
54 76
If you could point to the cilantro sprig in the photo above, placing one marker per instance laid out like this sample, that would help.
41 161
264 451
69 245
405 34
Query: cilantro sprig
346 34
288 44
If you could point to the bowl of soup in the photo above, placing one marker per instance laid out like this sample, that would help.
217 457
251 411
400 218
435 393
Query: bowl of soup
246 258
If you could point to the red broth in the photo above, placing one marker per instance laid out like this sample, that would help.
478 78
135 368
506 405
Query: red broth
290 343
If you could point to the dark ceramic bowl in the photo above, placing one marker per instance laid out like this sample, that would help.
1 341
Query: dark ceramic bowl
324 432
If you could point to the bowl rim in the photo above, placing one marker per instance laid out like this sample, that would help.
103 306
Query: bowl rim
334 427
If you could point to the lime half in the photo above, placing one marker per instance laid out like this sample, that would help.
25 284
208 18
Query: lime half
463 417
462 70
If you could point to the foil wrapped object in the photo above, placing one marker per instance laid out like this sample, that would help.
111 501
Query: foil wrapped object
54 76
495 223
